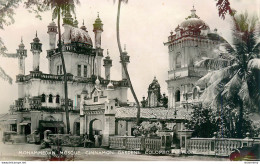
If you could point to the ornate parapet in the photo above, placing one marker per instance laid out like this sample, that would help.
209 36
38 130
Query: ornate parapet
42 76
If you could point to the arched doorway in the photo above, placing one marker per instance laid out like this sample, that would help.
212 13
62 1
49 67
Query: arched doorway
76 127
95 128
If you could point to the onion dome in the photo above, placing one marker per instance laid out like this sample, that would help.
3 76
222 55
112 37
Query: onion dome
21 45
110 86
79 35
68 19
36 39
36 45
193 21
83 27
98 25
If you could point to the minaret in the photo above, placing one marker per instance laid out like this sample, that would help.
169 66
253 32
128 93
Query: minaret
22 54
67 23
107 65
125 58
36 48
98 29
52 31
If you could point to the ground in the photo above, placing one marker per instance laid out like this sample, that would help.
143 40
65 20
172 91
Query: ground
31 152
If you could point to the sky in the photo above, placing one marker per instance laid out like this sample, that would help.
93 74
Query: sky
144 27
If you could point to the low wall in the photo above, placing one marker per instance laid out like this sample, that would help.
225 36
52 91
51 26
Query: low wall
216 146
135 143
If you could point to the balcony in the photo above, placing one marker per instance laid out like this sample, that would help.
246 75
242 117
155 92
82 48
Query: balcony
187 72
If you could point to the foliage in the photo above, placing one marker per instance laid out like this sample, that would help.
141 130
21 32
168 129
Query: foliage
224 8
237 85
205 121
147 129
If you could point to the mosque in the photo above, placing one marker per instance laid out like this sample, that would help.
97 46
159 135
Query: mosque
98 105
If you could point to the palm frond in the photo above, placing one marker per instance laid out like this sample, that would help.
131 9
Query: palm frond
5 77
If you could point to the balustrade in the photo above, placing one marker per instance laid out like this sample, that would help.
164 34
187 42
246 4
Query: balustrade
215 146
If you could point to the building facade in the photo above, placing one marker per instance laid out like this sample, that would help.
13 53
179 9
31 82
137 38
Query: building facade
192 42
92 98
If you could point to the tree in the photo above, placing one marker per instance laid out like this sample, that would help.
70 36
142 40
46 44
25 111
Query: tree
123 62
61 7
238 83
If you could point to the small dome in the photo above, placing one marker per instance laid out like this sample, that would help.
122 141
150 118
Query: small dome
52 23
79 35
110 86
97 81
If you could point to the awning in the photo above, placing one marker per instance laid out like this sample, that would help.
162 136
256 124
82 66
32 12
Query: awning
53 124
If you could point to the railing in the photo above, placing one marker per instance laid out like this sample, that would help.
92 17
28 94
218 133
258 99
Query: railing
135 143
216 146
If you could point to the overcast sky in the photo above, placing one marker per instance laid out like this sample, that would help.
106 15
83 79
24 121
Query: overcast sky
145 25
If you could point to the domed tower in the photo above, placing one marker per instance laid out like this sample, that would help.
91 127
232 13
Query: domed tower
98 29
36 48
52 31
191 42
107 65
125 58
22 54
154 93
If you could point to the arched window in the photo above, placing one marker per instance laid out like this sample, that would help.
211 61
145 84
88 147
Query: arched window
50 98
178 60
177 96
57 99
43 98
195 93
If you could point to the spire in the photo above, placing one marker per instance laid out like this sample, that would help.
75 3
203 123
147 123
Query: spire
75 23
22 39
36 34
83 27
193 12
107 52
98 14
124 47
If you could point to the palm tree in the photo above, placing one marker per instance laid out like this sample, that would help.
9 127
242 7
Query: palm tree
123 62
237 84
60 7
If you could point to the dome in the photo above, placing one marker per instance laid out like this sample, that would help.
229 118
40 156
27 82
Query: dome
193 23
110 86
52 23
79 35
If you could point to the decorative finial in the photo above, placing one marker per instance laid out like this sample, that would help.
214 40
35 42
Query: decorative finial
21 39
36 34
98 14
107 52
83 22
52 19
171 32
125 47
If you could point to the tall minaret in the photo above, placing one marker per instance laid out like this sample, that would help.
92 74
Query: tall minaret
22 54
98 29
107 65
36 48
125 58
52 31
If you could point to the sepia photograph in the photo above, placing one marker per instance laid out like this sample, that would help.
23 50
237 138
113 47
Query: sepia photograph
129 80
